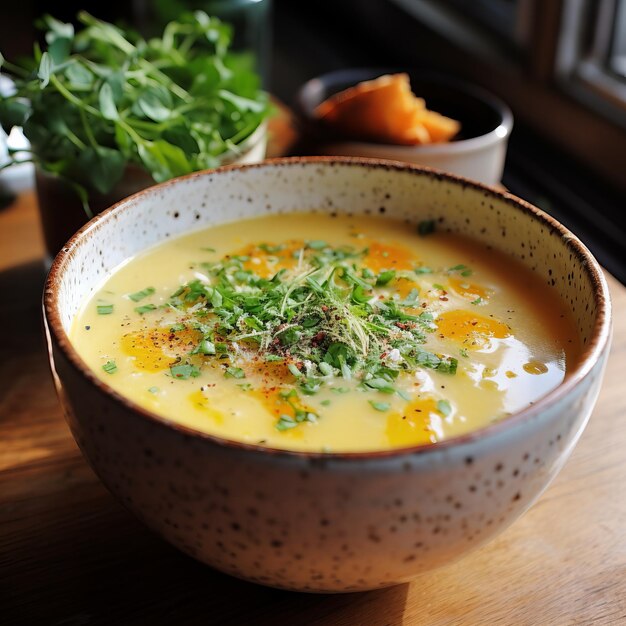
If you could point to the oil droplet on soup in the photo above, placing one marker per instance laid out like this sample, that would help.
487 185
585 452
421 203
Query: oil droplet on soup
321 333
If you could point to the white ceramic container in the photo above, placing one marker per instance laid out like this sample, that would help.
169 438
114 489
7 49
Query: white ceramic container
478 153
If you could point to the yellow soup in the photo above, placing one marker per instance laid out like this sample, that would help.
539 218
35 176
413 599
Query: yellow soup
314 332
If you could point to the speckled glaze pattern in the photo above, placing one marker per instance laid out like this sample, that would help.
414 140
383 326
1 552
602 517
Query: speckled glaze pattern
313 522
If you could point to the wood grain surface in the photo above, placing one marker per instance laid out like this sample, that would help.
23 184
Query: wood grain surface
71 555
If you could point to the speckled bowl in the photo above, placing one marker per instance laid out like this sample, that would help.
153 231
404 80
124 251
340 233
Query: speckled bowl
325 522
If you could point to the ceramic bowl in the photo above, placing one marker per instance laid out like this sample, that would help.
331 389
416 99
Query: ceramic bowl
478 152
313 521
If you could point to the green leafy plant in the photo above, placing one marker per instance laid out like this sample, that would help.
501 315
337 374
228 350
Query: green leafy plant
102 98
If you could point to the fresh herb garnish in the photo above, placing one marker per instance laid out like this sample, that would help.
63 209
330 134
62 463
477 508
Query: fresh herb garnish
234 372
153 390
104 309
380 406
140 295
145 308
461 269
316 245
443 406
385 278
100 99
319 318
183 371
286 422
110 367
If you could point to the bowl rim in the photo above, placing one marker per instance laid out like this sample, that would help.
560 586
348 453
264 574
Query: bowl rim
498 134
590 355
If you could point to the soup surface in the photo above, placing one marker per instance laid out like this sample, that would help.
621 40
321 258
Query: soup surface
322 333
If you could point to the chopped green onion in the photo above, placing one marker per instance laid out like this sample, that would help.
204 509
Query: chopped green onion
145 308
443 406
380 406
110 367
294 370
385 278
140 295
234 372
184 371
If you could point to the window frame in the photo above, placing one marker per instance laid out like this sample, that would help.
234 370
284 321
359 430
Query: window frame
559 86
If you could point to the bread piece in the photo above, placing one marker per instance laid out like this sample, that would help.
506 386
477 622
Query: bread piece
385 110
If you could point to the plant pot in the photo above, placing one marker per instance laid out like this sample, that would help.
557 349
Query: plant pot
62 212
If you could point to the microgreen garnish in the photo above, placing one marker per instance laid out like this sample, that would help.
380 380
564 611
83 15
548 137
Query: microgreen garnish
205 347
110 367
320 318
104 309
477 301
380 384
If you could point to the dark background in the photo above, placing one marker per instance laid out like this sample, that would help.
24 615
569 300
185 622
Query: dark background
584 191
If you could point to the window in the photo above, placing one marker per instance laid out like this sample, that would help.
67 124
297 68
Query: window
504 18
591 61
560 65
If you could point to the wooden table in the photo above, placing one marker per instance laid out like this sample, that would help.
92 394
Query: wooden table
71 555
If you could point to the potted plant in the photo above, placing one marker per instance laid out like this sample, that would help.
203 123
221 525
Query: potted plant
108 113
